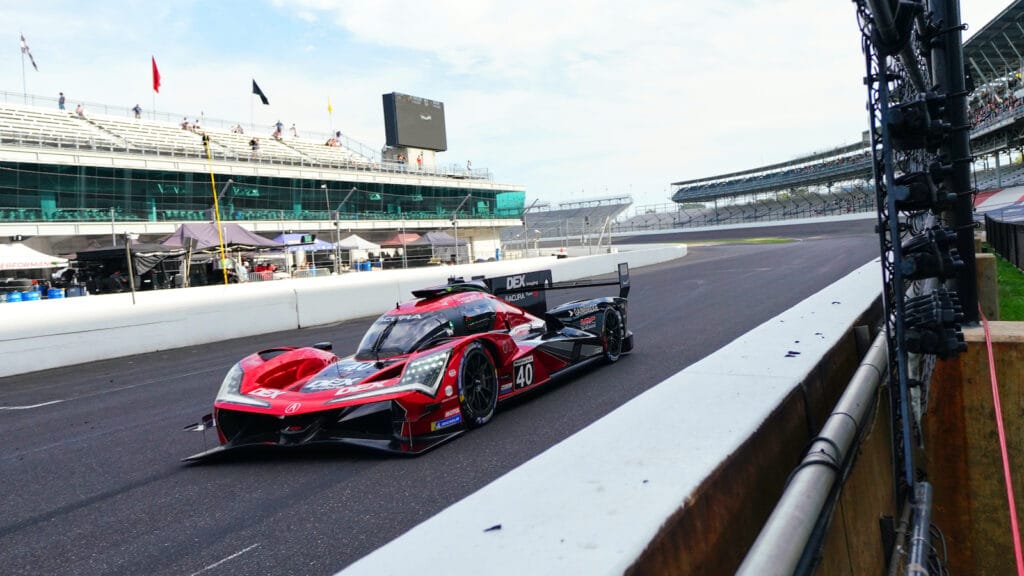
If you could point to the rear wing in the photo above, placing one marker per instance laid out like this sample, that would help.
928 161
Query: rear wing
527 290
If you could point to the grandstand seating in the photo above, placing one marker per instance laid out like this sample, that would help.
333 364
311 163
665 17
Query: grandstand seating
1012 175
571 222
26 126
781 207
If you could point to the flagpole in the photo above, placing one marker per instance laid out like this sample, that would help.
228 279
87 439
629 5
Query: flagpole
252 124
24 87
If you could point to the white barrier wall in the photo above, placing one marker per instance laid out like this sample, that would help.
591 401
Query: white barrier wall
52 333
592 503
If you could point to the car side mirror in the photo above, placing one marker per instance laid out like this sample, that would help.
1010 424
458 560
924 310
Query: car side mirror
325 346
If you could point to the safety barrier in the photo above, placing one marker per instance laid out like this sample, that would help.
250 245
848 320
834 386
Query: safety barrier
63 332
1007 239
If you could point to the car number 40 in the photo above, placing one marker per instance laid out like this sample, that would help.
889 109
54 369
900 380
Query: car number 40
522 372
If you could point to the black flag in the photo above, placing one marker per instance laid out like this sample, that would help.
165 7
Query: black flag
256 90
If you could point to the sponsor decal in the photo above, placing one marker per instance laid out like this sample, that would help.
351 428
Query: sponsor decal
522 372
517 296
451 421
266 393
582 311
448 391
293 408
452 412
505 388
344 391
452 373
517 281
321 385
588 321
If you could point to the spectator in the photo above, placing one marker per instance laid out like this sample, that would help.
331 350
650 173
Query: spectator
237 129
80 111
184 124
138 111
469 166
277 134
279 126
60 101
255 145
419 161
206 143
295 132
195 126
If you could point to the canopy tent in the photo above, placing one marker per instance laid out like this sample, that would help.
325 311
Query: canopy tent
21 257
293 243
400 239
354 242
437 239
438 246
205 235
144 256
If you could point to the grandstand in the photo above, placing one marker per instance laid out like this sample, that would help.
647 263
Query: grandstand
59 172
571 220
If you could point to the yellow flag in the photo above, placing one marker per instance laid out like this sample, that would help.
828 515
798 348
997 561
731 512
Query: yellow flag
330 109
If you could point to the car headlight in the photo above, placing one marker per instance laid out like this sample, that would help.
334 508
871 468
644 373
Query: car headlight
424 373
231 390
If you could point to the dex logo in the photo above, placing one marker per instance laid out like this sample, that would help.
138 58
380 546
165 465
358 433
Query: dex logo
513 282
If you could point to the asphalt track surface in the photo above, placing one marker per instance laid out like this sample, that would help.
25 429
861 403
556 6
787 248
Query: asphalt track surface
93 483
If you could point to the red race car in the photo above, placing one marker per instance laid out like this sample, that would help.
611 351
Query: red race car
425 371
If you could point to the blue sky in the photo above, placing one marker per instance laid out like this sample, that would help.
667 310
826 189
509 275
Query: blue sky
571 99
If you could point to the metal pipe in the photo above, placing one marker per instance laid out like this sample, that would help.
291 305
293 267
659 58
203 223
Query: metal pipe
886 26
920 530
782 540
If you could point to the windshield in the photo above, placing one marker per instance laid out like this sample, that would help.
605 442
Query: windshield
401 334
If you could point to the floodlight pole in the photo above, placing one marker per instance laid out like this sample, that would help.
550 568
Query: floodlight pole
455 224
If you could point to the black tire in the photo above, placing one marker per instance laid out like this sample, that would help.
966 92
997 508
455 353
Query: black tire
478 386
613 332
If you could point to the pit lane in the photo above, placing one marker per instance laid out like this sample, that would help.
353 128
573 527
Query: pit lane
94 485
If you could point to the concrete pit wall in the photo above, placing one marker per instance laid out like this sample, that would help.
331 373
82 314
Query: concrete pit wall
718 523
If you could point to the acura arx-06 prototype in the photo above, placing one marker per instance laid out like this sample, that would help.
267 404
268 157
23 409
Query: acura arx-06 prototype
425 371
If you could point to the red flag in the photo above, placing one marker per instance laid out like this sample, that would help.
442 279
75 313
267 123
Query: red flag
156 77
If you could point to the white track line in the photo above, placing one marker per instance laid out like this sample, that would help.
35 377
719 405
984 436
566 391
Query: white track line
219 562
30 406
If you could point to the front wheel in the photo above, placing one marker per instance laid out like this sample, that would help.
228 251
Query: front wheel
478 386
612 334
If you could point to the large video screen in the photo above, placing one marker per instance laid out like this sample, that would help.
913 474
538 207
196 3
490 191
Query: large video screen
414 122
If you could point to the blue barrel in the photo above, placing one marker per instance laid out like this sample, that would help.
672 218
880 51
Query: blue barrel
364 266
497 253
30 295
74 291
14 296
54 293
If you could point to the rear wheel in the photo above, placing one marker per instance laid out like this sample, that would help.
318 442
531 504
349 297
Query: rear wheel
478 386
612 334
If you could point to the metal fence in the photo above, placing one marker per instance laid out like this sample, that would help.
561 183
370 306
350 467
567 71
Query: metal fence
1007 239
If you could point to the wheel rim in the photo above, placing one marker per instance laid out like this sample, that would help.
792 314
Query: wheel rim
613 333
479 389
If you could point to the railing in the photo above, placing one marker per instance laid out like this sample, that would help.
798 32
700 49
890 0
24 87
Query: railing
119 215
121 144
1007 239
